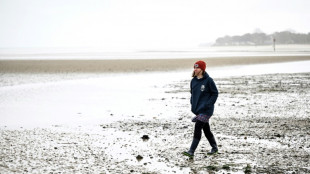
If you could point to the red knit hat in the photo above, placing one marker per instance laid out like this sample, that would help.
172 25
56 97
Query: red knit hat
200 64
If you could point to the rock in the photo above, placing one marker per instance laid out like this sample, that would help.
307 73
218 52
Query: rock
248 169
139 157
277 135
145 137
226 167
212 168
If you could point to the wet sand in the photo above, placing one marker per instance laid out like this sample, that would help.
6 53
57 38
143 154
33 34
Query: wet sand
134 65
261 124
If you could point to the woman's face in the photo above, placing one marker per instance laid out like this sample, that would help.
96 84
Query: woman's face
197 71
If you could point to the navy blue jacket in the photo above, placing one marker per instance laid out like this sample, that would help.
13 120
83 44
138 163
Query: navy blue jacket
204 95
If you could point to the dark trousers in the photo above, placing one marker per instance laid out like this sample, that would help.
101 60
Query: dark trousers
206 129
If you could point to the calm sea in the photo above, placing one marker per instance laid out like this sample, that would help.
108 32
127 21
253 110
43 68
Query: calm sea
99 53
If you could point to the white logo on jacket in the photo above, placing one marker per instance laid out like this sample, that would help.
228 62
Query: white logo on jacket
202 88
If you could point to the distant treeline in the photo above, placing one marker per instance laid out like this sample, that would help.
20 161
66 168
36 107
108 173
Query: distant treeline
285 37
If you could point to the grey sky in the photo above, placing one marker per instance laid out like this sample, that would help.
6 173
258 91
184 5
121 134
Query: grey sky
131 24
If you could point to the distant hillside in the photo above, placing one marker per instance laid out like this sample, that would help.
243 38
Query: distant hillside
284 37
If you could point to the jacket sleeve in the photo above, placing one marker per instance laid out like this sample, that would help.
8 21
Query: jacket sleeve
191 91
213 91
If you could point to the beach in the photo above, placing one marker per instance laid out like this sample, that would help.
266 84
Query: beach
89 116
133 65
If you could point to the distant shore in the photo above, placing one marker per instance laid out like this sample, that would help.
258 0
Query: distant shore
132 65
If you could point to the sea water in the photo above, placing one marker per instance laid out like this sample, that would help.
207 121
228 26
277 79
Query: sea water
101 53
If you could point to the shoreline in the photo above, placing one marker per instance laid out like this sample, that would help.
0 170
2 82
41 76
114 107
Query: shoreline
133 65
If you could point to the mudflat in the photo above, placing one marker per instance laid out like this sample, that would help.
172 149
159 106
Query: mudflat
261 124
132 65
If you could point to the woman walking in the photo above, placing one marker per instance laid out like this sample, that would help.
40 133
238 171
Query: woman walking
203 97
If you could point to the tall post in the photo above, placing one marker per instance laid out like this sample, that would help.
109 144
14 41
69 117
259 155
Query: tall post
274 44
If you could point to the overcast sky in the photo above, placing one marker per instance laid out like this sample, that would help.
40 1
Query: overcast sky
136 24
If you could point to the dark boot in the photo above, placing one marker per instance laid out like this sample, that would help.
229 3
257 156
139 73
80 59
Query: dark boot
213 151
192 149
213 144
